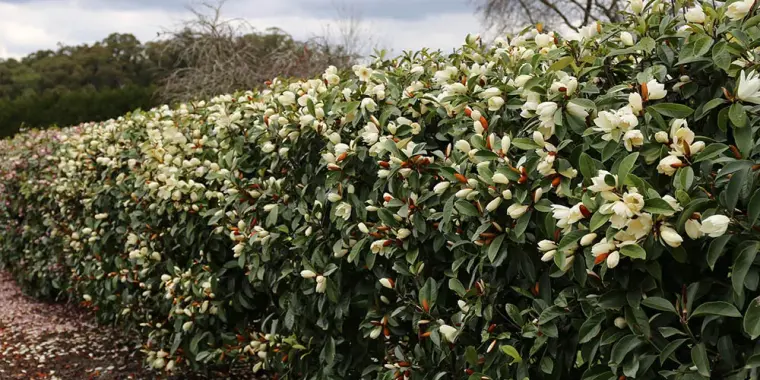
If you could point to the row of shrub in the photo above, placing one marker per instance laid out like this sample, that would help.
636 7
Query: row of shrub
539 207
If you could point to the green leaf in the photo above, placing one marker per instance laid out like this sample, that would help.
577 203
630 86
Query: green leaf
711 151
633 251
754 208
741 266
699 357
588 166
623 346
598 220
721 308
570 239
328 351
625 167
721 55
734 188
668 350
672 110
457 287
493 249
511 352
659 303
590 328
465 208
716 249
752 319
561 63
737 115
658 206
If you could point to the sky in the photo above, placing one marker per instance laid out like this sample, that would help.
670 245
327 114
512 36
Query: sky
30 25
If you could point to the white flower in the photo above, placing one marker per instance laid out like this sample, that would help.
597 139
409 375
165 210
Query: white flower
566 216
187 326
321 284
362 72
308 274
403 233
661 137
613 259
387 283
448 332
600 185
544 40
749 87
463 306
343 210
715 225
692 228
463 146
378 246
639 227
546 110
626 38
620 321
737 10
500 178
589 31
637 6
495 103
655 90
695 14
670 237
375 332
516 210
548 256
489 93
669 165
635 102
101 216
633 138
587 239
287 98
369 104
334 197
370 133
538 138
602 248
441 187
577 110
87 297
493 205
546 245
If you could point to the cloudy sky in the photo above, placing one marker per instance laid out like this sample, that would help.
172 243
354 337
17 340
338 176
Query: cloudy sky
30 25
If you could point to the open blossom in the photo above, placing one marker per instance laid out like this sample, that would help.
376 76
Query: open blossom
566 216
636 6
655 90
448 332
599 183
715 225
749 87
495 103
669 165
343 210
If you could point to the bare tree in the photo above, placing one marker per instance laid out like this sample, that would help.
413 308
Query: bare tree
511 15
211 55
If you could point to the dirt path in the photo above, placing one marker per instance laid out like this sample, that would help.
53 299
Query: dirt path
55 341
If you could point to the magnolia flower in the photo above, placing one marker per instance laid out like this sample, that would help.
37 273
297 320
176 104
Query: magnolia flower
187 326
589 31
441 187
516 210
375 333
599 184
692 228
669 165
635 102
548 256
403 233
495 103
715 225
577 110
448 332
369 104
378 246
343 210
321 284
749 87
566 216
463 306
670 237
544 40
626 38
662 137
620 322
546 245
463 146
695 14
500 178
737 10
655 90
636 6
308 274
387 283
613 259
587 239
370 133
633 138
493 205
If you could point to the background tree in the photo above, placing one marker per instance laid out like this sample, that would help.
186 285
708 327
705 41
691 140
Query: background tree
511 15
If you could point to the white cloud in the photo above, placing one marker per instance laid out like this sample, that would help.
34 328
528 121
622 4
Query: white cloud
40 24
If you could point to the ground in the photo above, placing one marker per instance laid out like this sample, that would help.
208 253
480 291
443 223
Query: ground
41 340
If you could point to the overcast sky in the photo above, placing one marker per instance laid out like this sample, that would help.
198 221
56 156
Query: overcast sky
30 25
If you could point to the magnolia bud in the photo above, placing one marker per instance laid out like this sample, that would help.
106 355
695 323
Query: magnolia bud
387 282
308 274
620 322
661 137
587 239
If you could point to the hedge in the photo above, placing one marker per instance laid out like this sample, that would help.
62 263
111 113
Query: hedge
538 207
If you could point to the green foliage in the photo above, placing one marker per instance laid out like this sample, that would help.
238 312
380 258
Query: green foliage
540 208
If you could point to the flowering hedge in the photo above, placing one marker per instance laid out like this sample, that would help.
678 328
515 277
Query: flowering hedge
538 208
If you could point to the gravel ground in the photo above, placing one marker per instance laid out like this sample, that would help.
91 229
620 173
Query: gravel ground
41 340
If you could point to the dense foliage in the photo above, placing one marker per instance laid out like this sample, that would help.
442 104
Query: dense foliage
540 208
